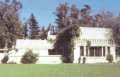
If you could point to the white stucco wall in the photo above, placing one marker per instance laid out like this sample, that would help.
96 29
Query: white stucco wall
96 37
37 46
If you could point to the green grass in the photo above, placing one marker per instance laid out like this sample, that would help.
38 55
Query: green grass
62 70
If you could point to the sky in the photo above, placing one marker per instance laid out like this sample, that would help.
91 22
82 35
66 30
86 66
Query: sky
44 9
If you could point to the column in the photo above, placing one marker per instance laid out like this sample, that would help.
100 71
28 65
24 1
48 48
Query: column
106 51
76 54
112 49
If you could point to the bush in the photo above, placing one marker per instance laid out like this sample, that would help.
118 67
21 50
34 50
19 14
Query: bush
5 59
109 58
29 58
84 60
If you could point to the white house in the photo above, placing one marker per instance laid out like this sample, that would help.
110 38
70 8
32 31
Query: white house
94 44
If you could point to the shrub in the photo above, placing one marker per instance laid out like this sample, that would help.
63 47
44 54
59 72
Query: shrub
29 58
109 58
84 60
5 59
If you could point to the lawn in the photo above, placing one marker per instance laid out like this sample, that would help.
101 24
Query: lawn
60 70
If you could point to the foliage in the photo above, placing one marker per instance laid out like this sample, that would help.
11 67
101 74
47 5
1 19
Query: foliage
84 60
29 57
25 30
61 14
109 58
43 33
34 28
116 36
51 40
68 31
10 25
5 59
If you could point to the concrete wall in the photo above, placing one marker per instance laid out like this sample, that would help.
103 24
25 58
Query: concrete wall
42 58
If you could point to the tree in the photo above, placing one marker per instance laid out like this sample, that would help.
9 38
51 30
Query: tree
61 14
43 33
10 25
25 30
85 17
64 44
104 19
34 28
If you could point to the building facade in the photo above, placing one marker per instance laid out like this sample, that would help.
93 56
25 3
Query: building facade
94 44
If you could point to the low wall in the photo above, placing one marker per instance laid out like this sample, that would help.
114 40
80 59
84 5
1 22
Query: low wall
50 59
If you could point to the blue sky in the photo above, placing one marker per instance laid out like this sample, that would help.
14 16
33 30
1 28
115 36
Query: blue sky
44 9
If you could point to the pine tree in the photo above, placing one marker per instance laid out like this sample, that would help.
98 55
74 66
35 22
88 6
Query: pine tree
34 28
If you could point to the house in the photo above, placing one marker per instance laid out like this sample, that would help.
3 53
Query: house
94 44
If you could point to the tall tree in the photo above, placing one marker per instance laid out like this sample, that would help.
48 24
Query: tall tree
10 25
64 44
61 14
34 28
86 18
43 33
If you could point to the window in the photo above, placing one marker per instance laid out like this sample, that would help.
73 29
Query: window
95 51
108 50
91 51
52 52
81 50
87 51
98 51
118 51
103 51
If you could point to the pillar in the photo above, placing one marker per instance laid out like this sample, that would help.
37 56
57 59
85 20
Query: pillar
112 49
76 54
106 51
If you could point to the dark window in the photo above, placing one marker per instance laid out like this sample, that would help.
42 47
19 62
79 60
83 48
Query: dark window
95 51
52 52
98 51
87 50
81 50
91 51
108 50
103 51
118 51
